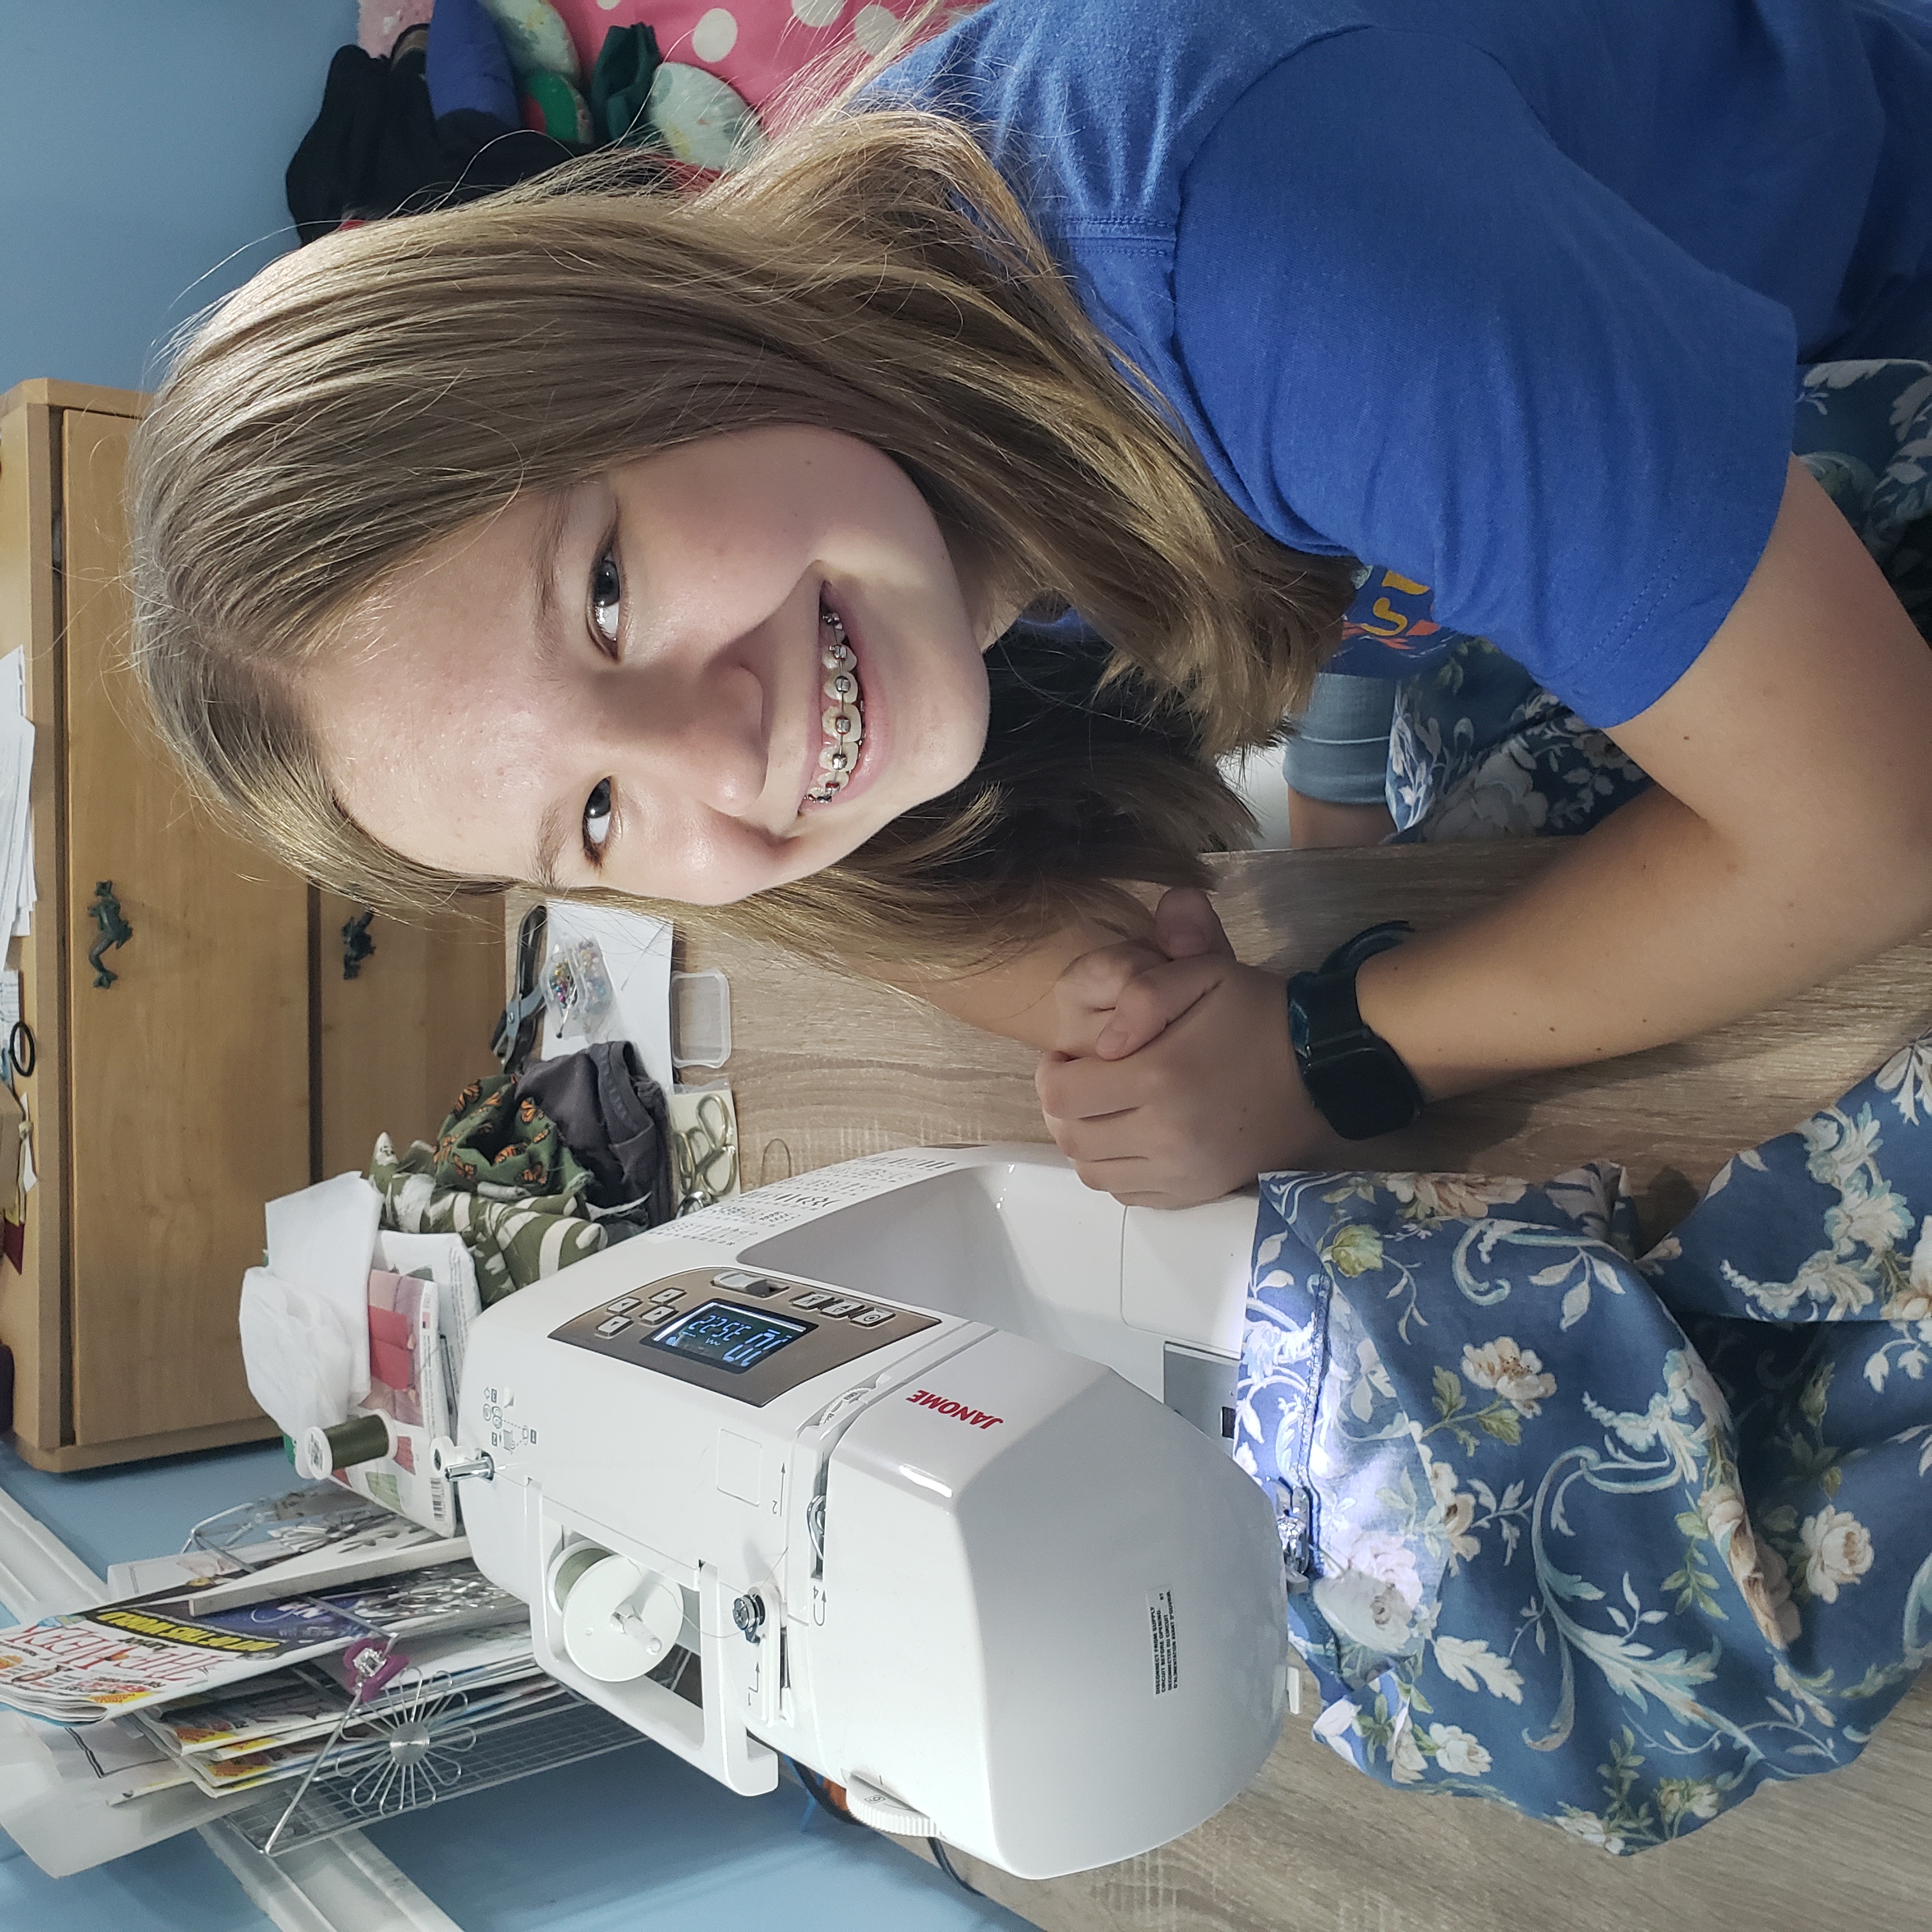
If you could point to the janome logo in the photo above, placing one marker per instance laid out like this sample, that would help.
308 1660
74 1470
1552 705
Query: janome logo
977 1418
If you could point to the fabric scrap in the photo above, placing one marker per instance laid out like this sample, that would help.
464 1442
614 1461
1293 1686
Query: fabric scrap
512 1242
1611 1542
620 85
611 1115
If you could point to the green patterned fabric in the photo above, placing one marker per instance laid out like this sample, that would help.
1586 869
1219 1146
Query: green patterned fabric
501 1178
504 1148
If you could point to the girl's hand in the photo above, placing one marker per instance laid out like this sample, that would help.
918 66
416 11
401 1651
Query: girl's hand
1191 1090
1101 1005
1086 995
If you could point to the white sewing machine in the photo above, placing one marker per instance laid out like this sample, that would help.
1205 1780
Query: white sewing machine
882 1469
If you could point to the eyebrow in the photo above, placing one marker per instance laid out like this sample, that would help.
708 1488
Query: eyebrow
546 559
552 829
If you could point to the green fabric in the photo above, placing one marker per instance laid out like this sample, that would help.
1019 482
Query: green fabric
620 83
513 1243
503 1148
500 1178
564 114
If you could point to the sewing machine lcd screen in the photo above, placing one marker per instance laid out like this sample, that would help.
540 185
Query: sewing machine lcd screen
727 1336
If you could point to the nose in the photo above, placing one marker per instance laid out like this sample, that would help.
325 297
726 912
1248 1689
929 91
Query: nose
703 736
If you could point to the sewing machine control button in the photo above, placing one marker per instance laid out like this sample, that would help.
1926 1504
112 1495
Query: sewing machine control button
622 1307
668 1295
753 1285
656 1314
871 1318
816 1298
611 1327
837 1308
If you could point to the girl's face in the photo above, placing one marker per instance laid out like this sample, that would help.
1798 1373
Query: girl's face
703 673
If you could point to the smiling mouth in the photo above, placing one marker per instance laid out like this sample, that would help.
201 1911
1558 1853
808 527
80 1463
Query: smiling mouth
842 726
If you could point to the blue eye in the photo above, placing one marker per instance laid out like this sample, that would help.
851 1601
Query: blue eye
607 596
599 811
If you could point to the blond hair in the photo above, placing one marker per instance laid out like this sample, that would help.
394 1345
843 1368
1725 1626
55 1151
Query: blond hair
870 273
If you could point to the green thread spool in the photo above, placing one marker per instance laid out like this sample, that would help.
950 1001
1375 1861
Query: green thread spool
362 1438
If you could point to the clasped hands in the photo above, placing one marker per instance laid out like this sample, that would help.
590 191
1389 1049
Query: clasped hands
1172 1081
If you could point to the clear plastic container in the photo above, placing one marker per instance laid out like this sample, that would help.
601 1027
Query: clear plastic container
700 1019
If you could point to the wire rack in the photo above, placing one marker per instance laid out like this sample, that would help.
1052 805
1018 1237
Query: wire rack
440 1739
411 1766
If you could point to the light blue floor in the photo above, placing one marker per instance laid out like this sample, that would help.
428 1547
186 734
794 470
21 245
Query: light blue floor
635 1840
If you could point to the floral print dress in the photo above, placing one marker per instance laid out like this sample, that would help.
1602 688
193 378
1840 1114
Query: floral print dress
1612 1540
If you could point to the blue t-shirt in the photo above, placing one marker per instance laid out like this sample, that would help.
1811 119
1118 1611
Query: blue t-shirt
1503 298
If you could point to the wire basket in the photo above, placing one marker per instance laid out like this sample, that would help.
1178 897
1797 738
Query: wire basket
418 1753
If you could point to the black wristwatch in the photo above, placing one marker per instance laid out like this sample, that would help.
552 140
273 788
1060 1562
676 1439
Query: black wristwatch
1356 1079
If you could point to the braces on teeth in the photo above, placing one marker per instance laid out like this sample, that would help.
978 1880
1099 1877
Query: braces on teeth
844 718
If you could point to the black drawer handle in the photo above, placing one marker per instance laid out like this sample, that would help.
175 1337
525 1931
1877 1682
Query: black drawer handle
357 946
114 930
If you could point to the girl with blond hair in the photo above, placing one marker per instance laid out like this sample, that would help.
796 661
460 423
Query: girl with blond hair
876 550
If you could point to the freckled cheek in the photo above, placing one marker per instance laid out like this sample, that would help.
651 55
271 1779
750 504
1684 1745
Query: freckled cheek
508 752
497 778
692 857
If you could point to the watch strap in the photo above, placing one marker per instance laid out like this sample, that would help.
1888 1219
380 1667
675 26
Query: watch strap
1357 1082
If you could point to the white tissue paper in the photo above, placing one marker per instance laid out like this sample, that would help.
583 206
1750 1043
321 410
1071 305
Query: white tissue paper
322 1241
297 1353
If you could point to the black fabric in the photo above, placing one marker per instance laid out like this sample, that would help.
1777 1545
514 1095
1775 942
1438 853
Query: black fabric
378 147
612 1116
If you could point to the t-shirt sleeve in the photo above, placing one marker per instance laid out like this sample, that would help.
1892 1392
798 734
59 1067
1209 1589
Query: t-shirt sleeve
1417 329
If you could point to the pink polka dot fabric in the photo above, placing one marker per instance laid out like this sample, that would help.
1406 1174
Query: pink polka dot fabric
380 22
756 46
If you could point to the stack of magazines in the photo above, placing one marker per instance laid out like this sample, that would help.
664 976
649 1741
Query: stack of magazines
308 1638
187 1641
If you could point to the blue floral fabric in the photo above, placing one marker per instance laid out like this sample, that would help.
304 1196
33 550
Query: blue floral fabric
1611 1540
1479 750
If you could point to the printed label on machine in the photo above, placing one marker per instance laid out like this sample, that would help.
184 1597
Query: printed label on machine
771 1210
1166 1647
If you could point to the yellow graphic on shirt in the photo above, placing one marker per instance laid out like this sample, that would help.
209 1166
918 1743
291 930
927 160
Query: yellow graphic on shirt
1398 620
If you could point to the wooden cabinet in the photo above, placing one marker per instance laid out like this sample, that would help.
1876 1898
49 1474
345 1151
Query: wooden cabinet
228 1061
430 993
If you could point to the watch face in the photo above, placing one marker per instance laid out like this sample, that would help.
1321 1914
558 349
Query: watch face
1363 1091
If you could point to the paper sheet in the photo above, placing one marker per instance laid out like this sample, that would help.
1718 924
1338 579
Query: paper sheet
73 1798
17 768
320 1241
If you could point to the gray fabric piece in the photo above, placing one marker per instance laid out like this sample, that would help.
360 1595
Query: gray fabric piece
611 1115
1339 751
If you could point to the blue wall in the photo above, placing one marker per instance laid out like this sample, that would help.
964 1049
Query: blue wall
142 149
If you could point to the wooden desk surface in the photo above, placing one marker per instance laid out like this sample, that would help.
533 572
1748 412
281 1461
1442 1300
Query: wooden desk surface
824 1068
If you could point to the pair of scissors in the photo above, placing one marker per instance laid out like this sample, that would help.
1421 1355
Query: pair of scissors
705 1156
